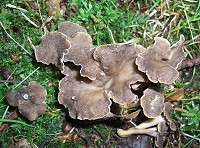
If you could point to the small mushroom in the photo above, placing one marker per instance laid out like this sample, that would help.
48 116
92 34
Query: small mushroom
50 50
152 103
29 100
83 98
70 28
160 62
118 62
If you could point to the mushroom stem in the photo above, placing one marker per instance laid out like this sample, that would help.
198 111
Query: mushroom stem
150 122
149 131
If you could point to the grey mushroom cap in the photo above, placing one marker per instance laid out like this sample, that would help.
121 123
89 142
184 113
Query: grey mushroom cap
52 47
30 100
160 62
152 103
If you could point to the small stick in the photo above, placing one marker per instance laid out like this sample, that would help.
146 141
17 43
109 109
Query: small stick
100 134
14 39
26 17
193 137
15 7
167 26
42 145
13 81
190 63
26 78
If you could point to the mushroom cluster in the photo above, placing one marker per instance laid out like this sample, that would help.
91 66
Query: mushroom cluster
97 77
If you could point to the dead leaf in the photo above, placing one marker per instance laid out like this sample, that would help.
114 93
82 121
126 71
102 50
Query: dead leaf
54 7
74 7
177 95
63 136
21 143
14 57
6 73
12 116
132 115
33 5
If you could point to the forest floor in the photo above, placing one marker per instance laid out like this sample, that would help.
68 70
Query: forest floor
23 22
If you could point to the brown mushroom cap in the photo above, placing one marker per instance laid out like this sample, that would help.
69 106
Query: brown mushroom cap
50 50
117 62
160 61
69 28
81 53
82 98
152 103
29 99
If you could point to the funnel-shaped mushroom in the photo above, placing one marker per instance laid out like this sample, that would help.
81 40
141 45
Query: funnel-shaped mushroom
29 100
118 62
53 45
83 99
152 103
160 61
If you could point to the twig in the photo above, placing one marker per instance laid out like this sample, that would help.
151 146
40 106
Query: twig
26 78
100 134
87 142
111 35
167 26
26 17
13 81
190 63
193 137
14 39
29 40
40 12
15 7
42 145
